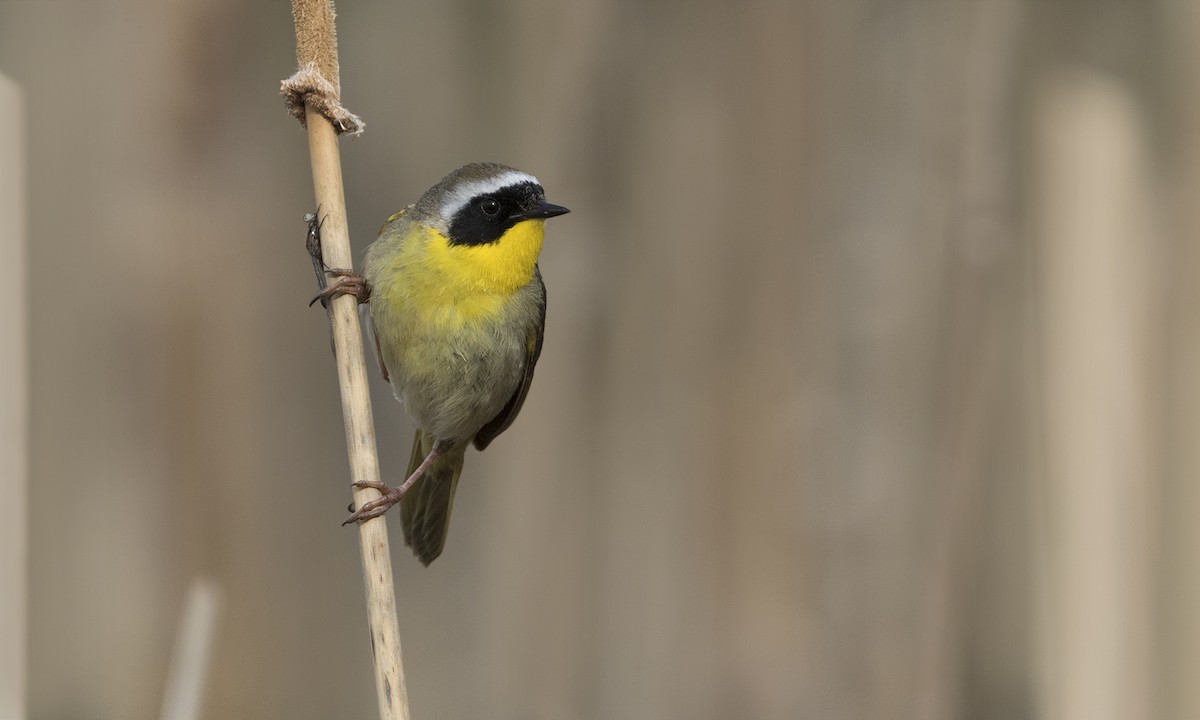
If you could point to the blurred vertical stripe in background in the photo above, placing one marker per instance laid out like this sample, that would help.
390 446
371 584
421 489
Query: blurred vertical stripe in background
14 410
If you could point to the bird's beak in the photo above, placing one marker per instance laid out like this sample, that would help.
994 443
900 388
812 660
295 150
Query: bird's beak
541 211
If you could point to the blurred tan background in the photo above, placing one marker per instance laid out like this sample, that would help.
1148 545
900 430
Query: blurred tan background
870 387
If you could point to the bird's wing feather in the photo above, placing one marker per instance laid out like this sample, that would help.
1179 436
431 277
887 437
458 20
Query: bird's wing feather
365 314
509 412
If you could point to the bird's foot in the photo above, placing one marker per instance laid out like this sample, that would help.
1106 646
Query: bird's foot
389 496
348 283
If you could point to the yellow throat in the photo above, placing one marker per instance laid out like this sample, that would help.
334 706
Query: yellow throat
501 267
453 286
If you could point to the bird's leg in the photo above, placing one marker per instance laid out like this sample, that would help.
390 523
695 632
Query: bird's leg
348 283
391 495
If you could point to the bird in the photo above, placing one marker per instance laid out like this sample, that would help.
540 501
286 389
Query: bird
457 308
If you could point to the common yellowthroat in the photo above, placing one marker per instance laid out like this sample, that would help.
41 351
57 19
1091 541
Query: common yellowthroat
457 308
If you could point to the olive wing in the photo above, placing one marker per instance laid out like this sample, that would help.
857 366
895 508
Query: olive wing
533 350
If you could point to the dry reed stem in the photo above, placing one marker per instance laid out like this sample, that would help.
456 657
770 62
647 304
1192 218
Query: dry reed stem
317 48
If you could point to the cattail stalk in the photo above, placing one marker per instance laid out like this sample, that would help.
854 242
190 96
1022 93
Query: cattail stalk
313 95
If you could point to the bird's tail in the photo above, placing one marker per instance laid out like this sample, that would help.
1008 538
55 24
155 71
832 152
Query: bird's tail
425 508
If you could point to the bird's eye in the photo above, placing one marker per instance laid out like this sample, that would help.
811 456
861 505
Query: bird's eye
491 206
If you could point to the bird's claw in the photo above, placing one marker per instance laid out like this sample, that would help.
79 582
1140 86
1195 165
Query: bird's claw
348 283
388 497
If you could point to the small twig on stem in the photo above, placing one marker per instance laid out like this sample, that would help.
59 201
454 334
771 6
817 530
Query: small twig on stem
313 96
